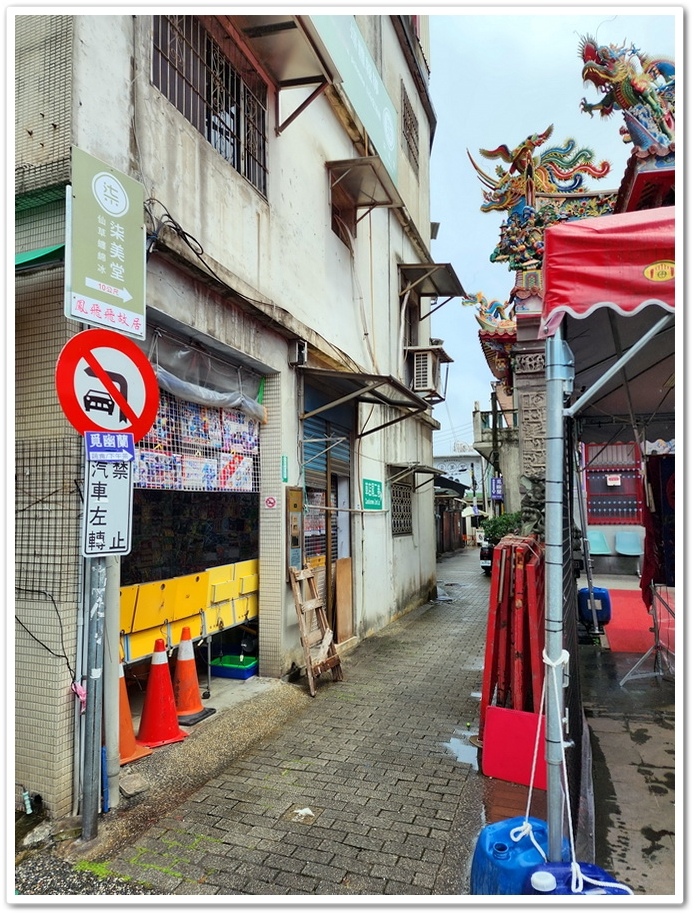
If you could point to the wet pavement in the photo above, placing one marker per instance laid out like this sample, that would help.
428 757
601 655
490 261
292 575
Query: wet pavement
374 786
632 730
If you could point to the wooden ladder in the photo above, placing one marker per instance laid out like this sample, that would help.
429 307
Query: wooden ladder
315 634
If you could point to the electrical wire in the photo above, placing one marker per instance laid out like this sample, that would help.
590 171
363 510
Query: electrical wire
40 591
167 221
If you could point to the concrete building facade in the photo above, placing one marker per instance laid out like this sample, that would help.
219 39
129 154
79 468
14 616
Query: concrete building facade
284 162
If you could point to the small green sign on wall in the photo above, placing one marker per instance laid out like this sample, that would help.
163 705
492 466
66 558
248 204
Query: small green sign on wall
372 494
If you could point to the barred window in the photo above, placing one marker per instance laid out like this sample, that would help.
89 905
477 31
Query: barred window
409 129
217 91
401 508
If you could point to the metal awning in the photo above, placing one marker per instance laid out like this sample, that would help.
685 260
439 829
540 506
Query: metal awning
433 280
366 181
364 388
284 49
435 348
52 254
289 54
405 469
453 487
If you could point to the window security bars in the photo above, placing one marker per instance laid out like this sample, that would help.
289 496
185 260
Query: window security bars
216 91
409 129
401 508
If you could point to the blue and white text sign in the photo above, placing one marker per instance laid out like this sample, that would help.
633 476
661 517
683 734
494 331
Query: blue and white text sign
110 446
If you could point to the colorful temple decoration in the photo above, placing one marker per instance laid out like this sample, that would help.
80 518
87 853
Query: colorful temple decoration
641 87
522 234
560 170
497 335
491 316
540 187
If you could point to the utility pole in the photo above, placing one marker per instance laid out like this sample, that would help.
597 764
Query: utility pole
494 451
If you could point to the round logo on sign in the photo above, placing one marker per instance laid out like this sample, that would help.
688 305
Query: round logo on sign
105 383
110 194
270 502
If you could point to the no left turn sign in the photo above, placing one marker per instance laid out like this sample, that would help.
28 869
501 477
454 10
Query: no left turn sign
105 383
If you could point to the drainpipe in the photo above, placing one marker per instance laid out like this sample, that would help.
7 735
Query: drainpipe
559 370
80 679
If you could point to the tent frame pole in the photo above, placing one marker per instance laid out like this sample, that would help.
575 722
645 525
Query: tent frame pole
559 372
617 367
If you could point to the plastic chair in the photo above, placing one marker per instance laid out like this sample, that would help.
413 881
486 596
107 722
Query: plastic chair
629 543
599 546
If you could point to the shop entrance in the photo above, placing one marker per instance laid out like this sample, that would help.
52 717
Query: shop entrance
194 559
326 451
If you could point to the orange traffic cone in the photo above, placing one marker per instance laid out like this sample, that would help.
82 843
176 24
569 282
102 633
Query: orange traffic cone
187 696
128 750
158 722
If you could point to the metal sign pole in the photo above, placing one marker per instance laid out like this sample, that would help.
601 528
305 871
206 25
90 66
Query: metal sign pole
93 710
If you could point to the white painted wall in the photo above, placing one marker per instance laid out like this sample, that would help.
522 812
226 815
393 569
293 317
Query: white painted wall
279 251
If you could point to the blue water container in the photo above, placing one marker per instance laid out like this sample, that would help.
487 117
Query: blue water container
556 878
602 604
501 865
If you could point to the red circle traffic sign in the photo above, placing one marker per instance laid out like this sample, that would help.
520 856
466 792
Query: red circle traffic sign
105 383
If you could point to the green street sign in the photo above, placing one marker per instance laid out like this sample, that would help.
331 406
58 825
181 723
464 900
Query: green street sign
372 494
105 247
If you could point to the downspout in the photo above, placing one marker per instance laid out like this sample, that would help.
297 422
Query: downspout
559 370
401 343
494 453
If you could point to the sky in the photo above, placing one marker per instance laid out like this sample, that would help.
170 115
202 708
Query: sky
499 74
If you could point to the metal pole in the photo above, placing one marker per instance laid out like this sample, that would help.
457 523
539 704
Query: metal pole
93 711
494 453
586 547
112 675
556 375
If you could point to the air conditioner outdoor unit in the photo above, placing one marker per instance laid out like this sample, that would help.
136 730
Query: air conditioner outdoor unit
426 370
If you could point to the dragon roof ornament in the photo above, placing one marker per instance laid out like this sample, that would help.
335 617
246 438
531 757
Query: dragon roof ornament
638 85
557 170
492 316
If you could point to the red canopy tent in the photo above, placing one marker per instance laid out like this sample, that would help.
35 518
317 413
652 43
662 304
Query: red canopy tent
608 315
624 262
613 279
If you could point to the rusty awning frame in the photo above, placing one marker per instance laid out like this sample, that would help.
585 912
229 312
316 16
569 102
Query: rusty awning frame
367 389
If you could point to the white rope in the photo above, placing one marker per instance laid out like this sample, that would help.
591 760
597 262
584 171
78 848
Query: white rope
525 829
578 879
577 876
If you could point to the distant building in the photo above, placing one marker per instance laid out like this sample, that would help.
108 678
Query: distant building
458 466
